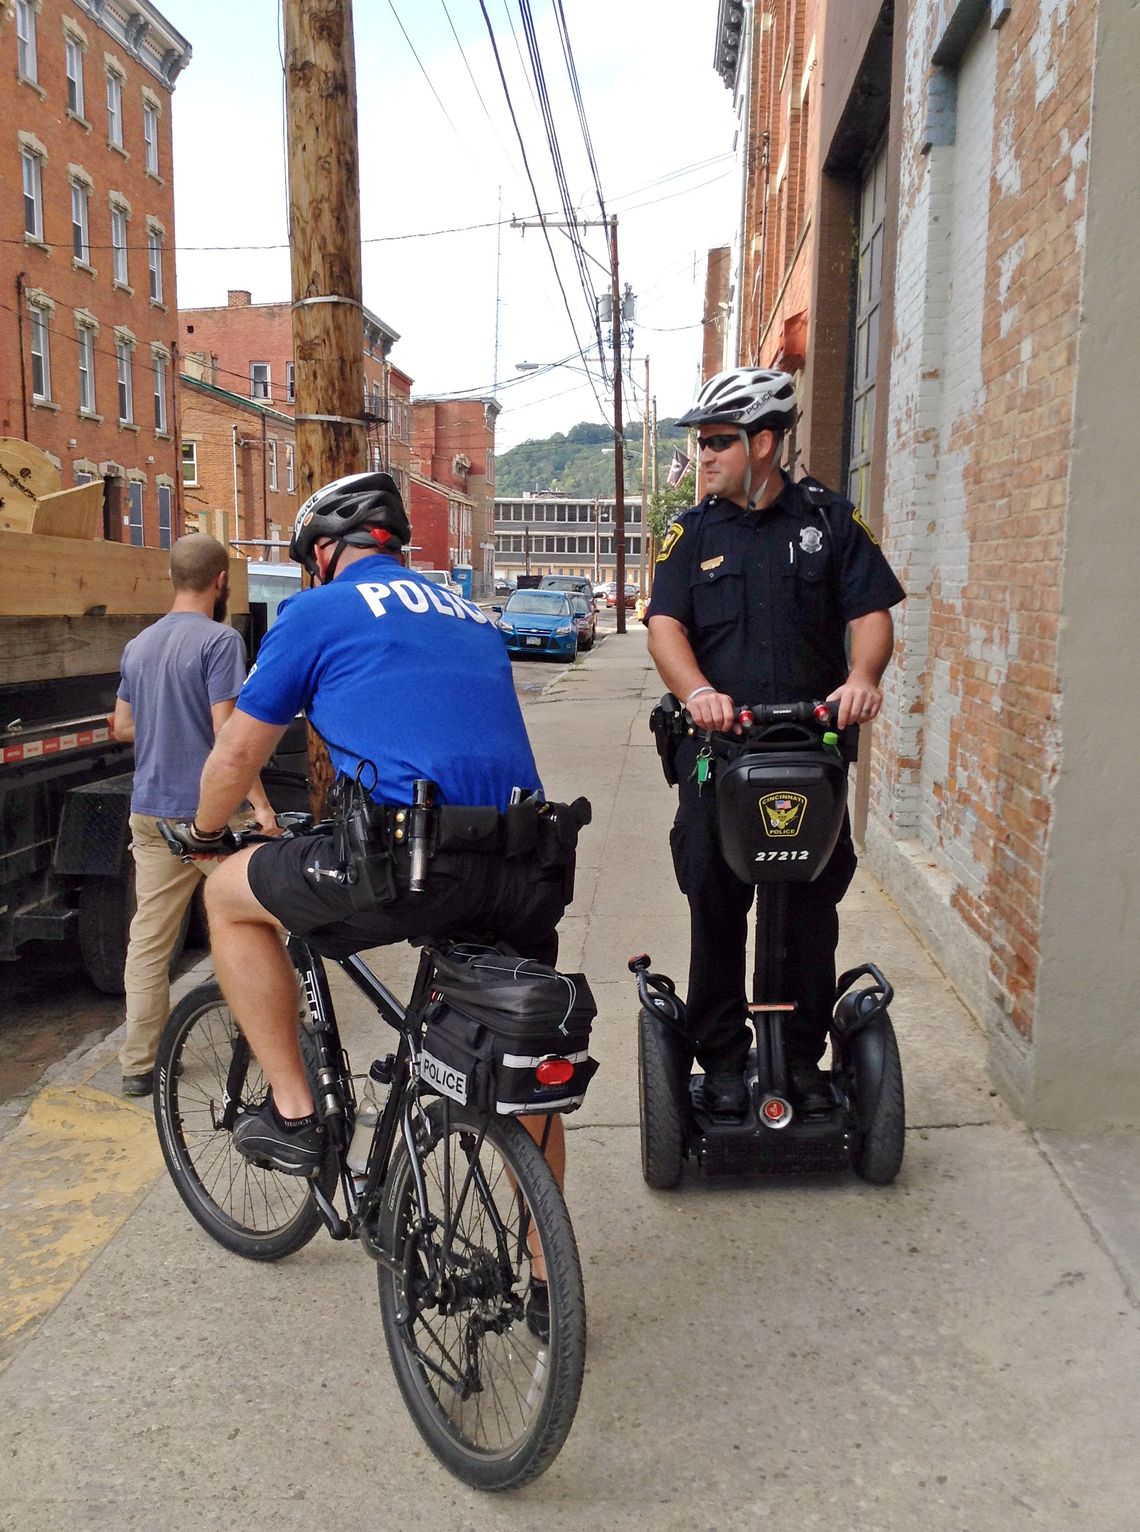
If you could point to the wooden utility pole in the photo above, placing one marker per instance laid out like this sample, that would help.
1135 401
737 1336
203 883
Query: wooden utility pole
619 440
324 249
651 407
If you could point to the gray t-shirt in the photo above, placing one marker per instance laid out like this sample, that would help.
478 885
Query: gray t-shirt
172 673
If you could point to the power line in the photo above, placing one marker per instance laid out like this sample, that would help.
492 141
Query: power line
534 189
431 87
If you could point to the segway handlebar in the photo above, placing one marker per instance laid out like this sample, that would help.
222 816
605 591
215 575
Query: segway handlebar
762 715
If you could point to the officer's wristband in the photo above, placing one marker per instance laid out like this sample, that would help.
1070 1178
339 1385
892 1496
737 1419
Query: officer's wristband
697 692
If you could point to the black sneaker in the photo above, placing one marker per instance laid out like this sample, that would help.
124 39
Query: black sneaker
262 1137
139 1085
538 1310
810 1088
724 1093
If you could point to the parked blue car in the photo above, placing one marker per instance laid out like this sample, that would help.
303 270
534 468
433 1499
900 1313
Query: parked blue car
539 622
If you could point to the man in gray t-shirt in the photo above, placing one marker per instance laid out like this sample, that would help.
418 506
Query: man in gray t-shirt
180 678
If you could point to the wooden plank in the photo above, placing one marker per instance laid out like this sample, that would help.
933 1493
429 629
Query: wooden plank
76 512
62 577
59 648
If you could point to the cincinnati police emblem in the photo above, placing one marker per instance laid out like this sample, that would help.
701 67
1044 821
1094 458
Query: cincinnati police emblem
782 814
811 539
672 537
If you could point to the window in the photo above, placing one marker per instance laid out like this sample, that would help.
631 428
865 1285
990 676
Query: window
190 464
154 258
159 392
165 499
135 496
150 136
74 51
271 463
290 483
119 222
80 236
41 352
259 380
865 359
26 40
126 388
290 382
86 349
33 194
114 109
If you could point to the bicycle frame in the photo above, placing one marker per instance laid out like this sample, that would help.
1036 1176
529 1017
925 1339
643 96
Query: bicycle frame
336 1097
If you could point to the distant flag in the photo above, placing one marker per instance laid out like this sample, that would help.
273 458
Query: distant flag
680 467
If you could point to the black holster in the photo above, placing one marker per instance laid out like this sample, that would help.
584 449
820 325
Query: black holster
667 725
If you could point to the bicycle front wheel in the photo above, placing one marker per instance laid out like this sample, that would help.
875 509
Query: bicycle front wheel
260 1214
491 1383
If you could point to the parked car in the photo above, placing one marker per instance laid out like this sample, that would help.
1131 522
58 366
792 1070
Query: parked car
585 618
539 622
503 586
568 583
440 577
630 595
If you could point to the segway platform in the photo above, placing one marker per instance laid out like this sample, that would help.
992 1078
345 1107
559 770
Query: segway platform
802 1143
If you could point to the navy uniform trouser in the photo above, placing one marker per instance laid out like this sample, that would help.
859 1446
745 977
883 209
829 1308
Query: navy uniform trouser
719 905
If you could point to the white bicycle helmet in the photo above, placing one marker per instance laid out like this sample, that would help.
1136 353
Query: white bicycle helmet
750 398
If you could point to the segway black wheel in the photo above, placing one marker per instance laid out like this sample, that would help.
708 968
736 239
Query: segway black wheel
660 1082
877 1086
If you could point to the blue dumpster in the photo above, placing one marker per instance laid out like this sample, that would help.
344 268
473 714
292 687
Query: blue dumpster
462 575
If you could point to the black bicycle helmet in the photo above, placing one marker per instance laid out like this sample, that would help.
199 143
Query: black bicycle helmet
749 398
362 510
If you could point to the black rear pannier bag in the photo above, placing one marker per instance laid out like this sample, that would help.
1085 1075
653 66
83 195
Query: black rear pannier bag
493 1019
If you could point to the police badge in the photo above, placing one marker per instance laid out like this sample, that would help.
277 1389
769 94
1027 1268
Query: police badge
811 539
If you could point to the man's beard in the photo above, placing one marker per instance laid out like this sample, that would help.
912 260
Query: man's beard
221 604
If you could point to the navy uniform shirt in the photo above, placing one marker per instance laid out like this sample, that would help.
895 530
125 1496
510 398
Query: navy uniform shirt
766 596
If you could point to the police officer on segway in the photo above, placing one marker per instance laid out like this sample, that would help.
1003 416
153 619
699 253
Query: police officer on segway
755 590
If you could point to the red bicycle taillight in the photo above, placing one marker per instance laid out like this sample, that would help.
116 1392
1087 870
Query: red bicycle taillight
554 1072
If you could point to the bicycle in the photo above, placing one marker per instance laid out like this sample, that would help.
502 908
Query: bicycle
455 1205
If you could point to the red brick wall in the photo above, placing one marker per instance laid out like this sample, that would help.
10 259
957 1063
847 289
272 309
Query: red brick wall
62 432
429 527
207 422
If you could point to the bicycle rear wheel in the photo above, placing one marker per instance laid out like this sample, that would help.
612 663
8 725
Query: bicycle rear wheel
492 1398
260 1214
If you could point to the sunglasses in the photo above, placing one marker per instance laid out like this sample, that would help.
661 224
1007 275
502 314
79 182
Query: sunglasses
719 443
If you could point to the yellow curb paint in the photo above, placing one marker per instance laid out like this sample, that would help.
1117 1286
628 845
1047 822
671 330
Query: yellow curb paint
71 1173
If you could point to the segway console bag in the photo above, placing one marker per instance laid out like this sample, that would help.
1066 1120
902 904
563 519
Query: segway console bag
780 800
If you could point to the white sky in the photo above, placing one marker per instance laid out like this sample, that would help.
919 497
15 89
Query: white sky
654 106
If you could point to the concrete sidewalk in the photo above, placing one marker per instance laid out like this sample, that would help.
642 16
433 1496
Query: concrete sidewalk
959 1352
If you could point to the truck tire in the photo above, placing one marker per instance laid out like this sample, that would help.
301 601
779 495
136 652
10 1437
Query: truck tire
106 909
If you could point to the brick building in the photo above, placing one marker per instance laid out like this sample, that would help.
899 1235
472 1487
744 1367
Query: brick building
239 468
247 349
441 525
453 445
87 312
952 269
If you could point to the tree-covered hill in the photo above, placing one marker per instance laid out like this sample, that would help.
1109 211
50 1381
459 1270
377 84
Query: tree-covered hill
581 461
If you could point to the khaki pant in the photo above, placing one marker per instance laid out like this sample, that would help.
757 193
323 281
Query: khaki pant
164 887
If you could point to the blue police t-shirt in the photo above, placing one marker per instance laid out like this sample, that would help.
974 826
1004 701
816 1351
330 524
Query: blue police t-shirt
393 670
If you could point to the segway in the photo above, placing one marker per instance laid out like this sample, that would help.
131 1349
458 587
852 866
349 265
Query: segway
781 791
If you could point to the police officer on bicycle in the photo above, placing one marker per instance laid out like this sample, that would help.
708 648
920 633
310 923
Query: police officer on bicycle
405 682
754 592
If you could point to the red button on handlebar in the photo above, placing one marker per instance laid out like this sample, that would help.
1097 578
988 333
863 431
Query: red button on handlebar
822 712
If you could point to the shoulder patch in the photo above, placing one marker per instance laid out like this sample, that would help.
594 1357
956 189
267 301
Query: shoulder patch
672 537
859 522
